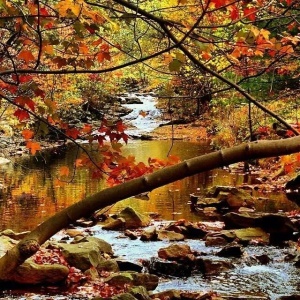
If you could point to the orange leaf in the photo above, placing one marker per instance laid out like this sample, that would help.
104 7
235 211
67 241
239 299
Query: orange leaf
26 55
87 128
78 162
27 134
33 147
64 171
143 113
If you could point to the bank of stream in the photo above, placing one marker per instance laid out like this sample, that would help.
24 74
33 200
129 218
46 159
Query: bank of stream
32 194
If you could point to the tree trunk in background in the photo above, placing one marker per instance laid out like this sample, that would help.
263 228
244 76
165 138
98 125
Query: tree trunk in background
31 243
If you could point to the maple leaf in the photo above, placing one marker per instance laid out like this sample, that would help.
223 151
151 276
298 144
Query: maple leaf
26 55
21 114
73 133
33 147
250 13
78 163
64 171
87 128
24 100
27 134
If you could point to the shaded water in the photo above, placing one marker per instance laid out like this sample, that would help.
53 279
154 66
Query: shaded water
33 193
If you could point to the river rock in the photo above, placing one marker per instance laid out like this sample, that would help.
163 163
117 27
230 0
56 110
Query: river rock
6 243
243 235
109 265
149 281
188 229
258 296
125 265
168 294
132 235
291 297
134 219
279 226
163 235
234 197
14 235
196 295
170 268
231 250
140 292
83 255
117 224
32 273
215 241
214 266
149 234
177 252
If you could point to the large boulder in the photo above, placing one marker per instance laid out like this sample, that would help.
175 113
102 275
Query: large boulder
85 254
279 226
31 273
163 235
134 219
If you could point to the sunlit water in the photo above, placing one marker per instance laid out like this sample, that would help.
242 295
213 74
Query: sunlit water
144 118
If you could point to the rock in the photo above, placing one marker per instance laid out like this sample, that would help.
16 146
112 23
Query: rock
195 295
85 223
248 297
109 265
32 273
234 197
177 252
245 235
264 259
4 161
85 254
149 234
16 236
231 250
134 219
169 294
188 229
291 297
129 266
170 268
6 243
149 281
140 293
214 267
215 241
279 226
74 232
169 235
117 224
130 234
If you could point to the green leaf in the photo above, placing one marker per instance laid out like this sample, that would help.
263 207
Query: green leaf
175 65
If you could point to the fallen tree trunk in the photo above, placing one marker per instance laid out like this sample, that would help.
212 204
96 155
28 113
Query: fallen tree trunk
31 243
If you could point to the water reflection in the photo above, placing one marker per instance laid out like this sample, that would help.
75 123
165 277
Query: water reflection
33 194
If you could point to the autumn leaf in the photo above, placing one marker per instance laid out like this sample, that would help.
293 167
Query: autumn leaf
143 113
27 134
175 65
73 133
87 128
26 55
78 162
64 171
250 13
33 147
21 114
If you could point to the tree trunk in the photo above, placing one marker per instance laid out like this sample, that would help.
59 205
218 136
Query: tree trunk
31 243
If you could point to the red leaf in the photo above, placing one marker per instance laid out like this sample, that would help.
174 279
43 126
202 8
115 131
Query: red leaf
250 13
73 133
21 114
234 14
23 100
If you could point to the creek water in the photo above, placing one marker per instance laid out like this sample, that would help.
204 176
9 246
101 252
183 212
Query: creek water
32 195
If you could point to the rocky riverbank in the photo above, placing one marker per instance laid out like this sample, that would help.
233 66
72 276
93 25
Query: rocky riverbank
130 255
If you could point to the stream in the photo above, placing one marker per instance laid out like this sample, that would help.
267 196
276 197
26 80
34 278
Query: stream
23 206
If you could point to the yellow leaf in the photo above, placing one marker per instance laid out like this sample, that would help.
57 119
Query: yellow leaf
48 49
